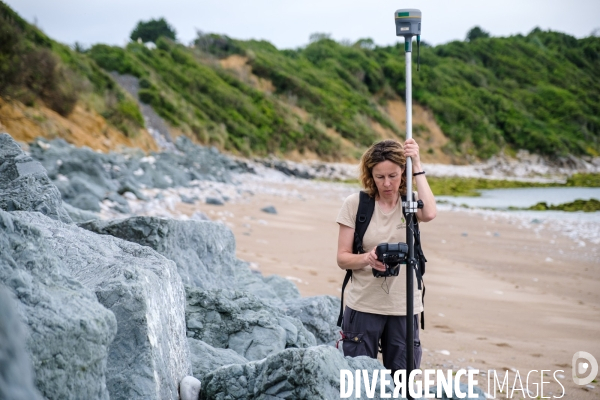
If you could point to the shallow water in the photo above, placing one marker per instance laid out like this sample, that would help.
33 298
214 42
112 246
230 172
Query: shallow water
579 226
502 199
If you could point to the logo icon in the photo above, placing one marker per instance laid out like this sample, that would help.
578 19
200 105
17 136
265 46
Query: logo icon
580 367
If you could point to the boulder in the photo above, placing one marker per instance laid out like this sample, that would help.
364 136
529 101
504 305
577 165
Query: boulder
149 355
82 175
188 200
204 252
85 177
24 184
206 358
269 210
131 167
241 322
319 315
189 388
86 201
69 331
283 288
16 373
78 215
215 201
311 373
289 168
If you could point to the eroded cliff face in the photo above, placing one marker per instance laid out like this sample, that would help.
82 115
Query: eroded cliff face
83 127
426 130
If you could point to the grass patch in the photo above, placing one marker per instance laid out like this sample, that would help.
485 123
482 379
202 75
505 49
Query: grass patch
591 205
584 180
456 186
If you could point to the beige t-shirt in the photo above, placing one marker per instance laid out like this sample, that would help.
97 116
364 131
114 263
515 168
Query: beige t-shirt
366 293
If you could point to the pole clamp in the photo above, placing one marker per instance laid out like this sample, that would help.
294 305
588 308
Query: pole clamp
412 206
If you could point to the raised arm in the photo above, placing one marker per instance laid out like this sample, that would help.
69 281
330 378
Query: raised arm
429 210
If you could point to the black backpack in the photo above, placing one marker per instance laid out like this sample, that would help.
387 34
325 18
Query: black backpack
366 206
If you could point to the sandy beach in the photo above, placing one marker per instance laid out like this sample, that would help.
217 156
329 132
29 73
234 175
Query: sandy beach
502 293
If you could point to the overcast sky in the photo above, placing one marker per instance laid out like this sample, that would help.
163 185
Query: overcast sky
288 24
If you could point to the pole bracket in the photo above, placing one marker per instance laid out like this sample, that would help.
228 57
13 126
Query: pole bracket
411 207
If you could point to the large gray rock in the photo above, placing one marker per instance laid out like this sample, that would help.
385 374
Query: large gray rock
78 215
241 322
319 315
150 353
16 373
24 184
312 373
69 331
189 388
283 288
204 252
82 170
206 358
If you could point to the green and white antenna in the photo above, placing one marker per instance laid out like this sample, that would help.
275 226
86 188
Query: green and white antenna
408 24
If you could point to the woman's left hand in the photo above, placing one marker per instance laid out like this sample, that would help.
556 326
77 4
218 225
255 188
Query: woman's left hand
411 149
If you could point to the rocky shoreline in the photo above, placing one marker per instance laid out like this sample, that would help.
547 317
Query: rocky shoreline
121 296
524 167
128 308
108 317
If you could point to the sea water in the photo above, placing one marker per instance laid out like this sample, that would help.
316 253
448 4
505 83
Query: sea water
580 226
502 199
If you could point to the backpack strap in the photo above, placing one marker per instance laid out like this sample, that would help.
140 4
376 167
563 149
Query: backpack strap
366 206
421 260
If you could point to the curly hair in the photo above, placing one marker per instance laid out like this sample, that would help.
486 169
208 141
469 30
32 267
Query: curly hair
390 150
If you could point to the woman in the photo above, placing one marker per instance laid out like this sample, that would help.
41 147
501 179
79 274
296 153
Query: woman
376 307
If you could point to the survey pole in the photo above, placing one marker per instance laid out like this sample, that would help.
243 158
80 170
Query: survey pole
408 24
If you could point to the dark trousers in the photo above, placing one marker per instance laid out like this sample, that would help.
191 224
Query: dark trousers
364 331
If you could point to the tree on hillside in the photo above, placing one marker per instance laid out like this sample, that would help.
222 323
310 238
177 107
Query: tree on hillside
476 33
150 31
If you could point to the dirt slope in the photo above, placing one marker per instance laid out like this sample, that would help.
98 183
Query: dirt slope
82 127
425 129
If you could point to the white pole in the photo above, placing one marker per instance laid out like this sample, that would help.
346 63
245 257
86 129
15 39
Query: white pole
410 214
408 116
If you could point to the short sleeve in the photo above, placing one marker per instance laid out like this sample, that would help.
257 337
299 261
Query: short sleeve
347 214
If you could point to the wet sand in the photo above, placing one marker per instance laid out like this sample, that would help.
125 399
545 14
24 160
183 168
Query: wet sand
500 294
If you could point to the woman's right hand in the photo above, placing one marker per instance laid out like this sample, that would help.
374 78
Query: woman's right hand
373 262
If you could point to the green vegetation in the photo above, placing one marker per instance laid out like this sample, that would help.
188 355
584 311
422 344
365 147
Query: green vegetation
538 92
591 205
150 31
207 101
34 68
28 67
456 186
336 83
584 180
